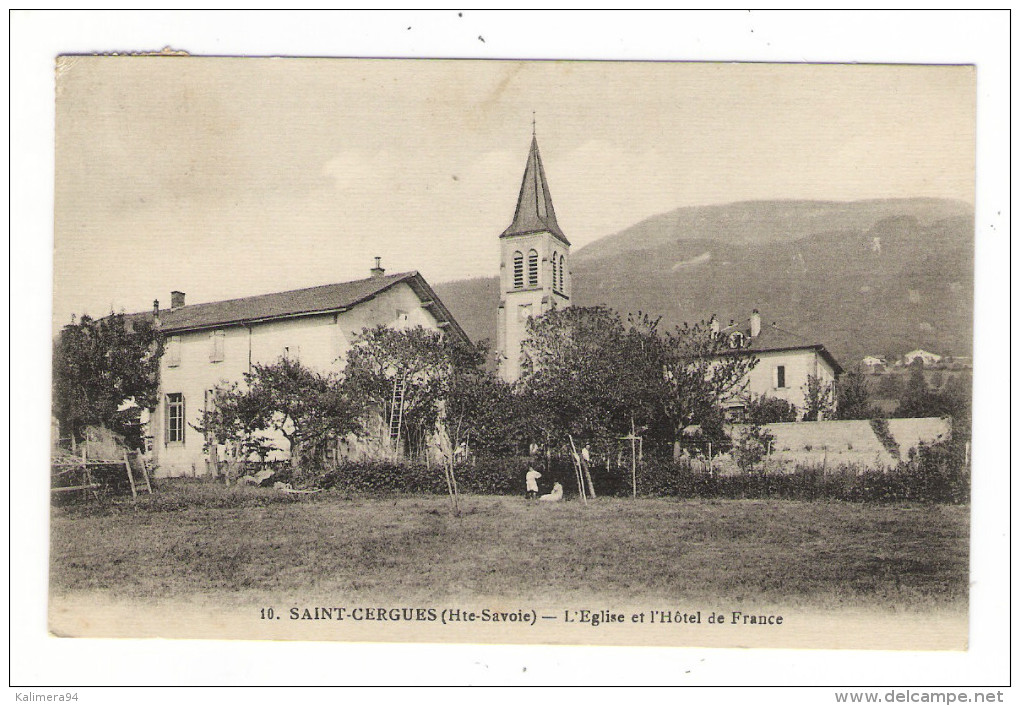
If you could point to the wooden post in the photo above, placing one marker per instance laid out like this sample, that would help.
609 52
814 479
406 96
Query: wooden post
131 479
633 459
576 459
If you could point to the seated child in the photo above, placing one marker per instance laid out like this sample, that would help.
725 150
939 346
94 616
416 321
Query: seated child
555 496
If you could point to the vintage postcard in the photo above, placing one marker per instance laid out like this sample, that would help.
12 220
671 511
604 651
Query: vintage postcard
550 352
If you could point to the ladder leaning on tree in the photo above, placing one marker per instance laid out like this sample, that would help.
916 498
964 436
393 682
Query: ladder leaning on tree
397 410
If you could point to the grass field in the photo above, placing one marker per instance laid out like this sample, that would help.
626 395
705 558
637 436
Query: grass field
203 542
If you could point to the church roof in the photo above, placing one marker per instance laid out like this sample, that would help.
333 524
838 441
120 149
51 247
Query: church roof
302 302
535 211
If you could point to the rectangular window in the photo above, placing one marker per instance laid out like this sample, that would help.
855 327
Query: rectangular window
173 351
217 339
175 418
780 376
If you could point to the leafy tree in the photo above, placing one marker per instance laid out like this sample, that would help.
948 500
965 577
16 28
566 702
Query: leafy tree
921 401
235 417
752 447
764 409
889 386
311 410
853 396
100 364
485 413
587 375
701 372
422 358
818 399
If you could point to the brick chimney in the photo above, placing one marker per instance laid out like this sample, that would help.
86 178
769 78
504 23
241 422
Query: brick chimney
176 300
714 324
378 270
155 308
755 323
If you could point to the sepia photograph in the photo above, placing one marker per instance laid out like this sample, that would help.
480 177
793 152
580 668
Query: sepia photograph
544 352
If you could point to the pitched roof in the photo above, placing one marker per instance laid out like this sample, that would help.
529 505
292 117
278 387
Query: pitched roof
535 211
772 338
302 302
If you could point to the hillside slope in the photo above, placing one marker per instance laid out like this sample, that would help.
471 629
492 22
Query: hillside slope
864 277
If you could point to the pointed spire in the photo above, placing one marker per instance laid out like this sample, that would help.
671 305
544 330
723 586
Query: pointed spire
535 211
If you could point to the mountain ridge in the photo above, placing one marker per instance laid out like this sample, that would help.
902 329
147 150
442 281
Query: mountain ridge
877 276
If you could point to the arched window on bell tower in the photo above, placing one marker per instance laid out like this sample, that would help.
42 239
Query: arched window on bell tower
518 270
532 268
555 264
562 267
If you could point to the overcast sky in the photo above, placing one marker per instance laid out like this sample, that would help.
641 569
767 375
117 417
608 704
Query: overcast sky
229 177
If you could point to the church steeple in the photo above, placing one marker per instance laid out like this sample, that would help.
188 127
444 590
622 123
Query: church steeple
535 212
534 270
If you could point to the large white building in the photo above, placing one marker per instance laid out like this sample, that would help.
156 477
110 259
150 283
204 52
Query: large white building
785 362
534 269
208 344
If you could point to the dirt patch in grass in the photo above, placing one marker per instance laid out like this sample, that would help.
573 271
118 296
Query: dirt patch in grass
203 542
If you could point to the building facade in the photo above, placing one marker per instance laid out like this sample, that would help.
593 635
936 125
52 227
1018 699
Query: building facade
534 270
206 345
785 363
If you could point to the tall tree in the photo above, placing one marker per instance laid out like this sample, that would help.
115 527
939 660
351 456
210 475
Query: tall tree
853 396
701 373
818 399
310 409
426 363
98 365
587 374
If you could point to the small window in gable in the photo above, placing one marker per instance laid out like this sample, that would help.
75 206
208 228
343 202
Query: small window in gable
173 351
532 268
518 270
217 339
736 340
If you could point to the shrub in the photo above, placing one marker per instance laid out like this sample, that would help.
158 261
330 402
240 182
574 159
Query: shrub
753 447
769 410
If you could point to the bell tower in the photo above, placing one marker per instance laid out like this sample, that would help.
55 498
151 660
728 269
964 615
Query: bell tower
534 270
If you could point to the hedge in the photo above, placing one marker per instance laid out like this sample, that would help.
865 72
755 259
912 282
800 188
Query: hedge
933 474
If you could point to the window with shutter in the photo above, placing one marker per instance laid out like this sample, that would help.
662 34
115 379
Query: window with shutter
518 270
173 351
217 339
533 268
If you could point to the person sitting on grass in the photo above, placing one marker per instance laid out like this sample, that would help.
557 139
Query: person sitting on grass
555 496
531 483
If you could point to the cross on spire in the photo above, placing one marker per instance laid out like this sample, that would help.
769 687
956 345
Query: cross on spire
532 123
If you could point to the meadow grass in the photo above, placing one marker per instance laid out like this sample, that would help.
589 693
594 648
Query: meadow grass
204 542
